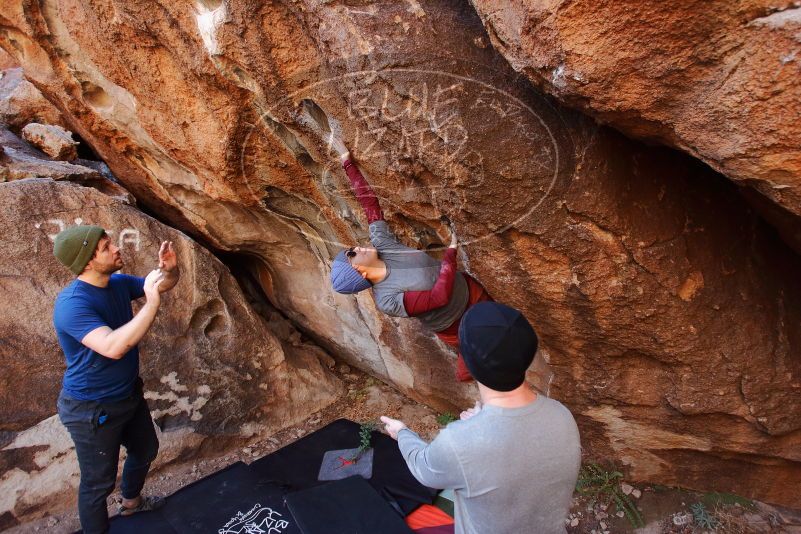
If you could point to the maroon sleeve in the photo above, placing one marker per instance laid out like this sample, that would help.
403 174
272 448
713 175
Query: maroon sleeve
364 193
417 302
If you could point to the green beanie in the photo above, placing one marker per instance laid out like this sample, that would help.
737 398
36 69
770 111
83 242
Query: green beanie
75 246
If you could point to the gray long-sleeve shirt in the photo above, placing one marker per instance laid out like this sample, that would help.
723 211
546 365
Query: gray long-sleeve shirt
513 470
409 269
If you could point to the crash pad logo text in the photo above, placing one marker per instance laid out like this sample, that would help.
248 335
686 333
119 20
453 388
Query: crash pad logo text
258 520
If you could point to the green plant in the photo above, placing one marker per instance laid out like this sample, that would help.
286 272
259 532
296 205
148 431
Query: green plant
359 394
727 499
365 435
444 418
703 517
603 486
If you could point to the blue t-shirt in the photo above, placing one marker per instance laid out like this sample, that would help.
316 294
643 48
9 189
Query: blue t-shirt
79 309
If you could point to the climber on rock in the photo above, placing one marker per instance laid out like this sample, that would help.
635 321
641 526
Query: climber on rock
101 401
406 282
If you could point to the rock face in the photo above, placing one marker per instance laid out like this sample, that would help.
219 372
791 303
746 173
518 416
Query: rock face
19 161
6 61
716 79
54 141
214 371
22 103
668 310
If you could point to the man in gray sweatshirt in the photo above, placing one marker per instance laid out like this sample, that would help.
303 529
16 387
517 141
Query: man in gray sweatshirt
513 461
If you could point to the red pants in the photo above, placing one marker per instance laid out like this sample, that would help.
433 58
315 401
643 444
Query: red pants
451 334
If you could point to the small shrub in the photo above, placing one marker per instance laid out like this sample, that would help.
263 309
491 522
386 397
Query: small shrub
604 486
358 395
727 499
702 516
444 418
365 435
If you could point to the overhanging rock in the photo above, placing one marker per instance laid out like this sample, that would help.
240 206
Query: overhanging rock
668 310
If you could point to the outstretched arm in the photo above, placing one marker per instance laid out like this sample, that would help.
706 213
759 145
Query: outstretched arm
364 193
433 464
419 302
115 344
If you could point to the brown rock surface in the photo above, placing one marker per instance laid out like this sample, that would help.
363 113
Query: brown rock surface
214 370
53 140
718 79
669 311
18 164
22 103
6 61
19 160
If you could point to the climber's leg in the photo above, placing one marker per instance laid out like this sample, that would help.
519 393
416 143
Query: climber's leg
451 334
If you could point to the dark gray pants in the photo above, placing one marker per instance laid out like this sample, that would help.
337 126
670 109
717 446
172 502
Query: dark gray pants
98 429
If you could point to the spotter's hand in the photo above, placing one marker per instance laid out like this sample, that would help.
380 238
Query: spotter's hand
152 283
392 426
470 412
168 261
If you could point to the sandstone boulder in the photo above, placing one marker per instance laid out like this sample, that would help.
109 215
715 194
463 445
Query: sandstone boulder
214 370
6 61
22 103
718 80
54 141
19 160
18 164
668 310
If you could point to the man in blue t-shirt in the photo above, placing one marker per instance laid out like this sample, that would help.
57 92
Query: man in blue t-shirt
101 401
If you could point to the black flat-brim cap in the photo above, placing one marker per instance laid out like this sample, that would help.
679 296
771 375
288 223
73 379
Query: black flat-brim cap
498 345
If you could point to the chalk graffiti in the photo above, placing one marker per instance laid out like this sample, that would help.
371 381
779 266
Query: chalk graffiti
58 223
439 133
127 237
436 134
258 520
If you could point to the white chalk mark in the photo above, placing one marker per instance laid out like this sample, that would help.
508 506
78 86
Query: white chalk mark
55 222
208 20
129 236
172 381
415 8
558 77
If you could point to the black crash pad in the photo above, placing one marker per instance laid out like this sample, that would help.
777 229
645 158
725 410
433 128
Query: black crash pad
142 523
349 506
231 501
297 465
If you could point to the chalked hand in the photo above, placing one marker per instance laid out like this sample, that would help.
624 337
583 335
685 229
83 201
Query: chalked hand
152 282
392 426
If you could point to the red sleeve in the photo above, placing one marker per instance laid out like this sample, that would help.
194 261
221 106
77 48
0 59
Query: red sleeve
418 302
364 193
